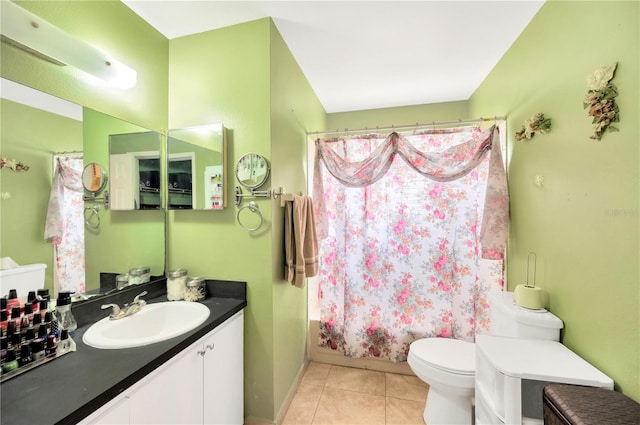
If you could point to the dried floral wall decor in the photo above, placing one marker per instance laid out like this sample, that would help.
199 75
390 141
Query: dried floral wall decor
12 164
536 124
600 99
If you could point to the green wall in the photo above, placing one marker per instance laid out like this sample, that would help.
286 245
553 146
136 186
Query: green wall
245 77
294 110
402 115
584 221
125 239
23 214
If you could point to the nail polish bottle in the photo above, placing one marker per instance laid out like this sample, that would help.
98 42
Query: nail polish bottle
11 328
33 299
25 355
15 341
42 331
44 305
16 317
12 300
37 349
52 345
30 335
10 362
54 329
28 313
4 320
3 349
3 303
48 321
37 320
64 343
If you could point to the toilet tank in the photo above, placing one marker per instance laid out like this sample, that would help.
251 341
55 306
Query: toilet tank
23 279
510 320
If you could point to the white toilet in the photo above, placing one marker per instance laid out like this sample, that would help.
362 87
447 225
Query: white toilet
448 365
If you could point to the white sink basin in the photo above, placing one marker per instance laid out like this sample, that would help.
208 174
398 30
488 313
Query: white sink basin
154 323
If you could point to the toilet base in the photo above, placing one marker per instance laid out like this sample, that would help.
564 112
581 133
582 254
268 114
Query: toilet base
448 409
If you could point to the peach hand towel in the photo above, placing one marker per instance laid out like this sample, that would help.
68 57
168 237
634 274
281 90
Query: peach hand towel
300 241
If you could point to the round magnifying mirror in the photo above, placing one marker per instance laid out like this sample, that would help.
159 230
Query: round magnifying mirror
94 178
252 170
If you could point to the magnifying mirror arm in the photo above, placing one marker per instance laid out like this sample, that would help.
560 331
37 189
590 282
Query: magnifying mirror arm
253 194
91 197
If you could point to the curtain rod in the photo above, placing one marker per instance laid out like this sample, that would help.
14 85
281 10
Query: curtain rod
68 153
397 127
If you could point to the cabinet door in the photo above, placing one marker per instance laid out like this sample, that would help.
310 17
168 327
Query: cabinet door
115 412
223 373
173 393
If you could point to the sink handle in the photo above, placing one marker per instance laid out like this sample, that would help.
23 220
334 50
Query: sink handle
137 299
115 312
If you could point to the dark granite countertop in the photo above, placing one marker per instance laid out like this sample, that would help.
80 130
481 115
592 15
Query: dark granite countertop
73 386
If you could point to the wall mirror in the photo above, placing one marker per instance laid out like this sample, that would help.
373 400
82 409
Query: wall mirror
134 164
94 178
124 239
252 170
196 175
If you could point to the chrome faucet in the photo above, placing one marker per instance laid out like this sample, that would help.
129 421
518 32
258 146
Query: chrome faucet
128 309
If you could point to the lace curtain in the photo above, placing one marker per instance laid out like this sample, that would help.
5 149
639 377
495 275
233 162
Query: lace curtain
403 241
64 227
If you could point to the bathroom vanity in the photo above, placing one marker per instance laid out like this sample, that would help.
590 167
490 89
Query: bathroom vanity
193 378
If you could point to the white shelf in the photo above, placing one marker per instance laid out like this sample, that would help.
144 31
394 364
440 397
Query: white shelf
505 365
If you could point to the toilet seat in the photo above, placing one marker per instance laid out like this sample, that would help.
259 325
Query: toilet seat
445 354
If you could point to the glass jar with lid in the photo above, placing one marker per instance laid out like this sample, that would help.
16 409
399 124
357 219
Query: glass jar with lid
122 281
195 289
176 284
139 275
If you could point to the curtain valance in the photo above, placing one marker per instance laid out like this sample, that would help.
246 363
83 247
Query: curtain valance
448 165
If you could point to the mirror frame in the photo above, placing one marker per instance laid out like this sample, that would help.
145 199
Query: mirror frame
88 176
252 157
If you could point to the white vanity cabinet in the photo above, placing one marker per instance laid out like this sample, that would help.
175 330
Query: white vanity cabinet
201 385
511 373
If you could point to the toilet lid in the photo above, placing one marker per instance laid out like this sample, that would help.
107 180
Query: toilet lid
450 355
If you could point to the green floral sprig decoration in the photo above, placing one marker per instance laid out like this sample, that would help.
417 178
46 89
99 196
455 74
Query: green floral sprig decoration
12 164
536 124
600 99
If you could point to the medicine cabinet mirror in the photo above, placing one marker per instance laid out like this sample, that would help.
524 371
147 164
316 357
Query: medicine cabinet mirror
196 177
134 164
94 178
252 170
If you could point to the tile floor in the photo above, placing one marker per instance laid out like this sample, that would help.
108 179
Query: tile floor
332 395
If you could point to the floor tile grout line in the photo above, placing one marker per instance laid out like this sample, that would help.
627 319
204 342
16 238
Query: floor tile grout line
324 385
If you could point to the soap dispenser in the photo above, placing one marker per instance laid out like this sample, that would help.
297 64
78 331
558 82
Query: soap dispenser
63 312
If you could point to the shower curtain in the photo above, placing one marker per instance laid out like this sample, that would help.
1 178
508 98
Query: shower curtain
413 231
64 227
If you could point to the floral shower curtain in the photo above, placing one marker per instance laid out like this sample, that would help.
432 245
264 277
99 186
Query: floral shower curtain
64 227
414 230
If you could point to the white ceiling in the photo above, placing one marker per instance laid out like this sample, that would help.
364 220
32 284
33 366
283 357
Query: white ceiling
361 55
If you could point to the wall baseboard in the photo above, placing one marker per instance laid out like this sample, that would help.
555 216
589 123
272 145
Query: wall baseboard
292 393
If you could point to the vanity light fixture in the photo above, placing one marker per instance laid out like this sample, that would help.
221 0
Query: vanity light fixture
33 34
